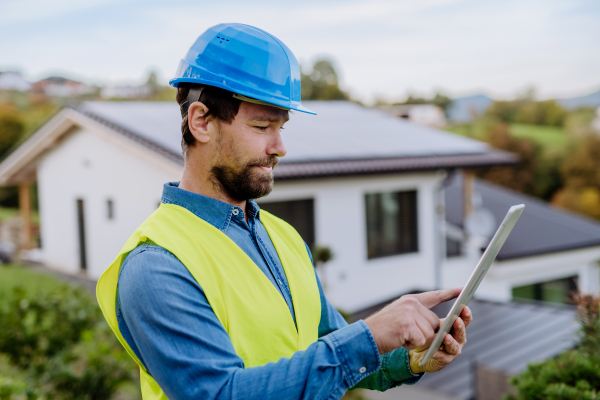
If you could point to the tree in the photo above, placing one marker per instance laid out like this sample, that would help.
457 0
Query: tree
573 375
12 128
321 83
581 174
520 177
439 100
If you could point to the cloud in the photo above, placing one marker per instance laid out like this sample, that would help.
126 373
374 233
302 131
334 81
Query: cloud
384 47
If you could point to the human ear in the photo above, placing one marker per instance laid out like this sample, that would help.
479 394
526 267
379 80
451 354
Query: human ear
198 121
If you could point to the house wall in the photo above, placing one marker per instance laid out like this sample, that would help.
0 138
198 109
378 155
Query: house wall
354 282
504 275
95 167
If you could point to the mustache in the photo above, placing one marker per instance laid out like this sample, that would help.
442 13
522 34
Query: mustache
271 161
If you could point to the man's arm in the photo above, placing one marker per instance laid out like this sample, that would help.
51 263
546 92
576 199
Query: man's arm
185 348
395 366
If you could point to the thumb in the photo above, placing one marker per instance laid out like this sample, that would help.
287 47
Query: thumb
432 299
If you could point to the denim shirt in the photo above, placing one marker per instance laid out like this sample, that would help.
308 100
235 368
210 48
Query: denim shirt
168 322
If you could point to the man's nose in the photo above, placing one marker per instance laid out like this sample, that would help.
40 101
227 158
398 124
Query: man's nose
277 147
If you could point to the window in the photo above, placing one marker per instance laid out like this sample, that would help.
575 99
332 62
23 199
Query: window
558 291
453 247
298 213
110 209
391 223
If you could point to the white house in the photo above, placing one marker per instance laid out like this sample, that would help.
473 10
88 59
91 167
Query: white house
10 80
125 91
370 186
422 114
57 86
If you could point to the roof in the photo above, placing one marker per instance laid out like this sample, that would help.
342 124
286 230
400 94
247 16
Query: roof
541 229
502 337
343 139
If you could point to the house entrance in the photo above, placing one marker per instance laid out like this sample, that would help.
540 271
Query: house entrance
81 234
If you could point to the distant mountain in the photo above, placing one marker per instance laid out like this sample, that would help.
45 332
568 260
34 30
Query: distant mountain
464 109
591 100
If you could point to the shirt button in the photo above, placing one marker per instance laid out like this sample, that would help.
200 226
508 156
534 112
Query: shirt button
236 211
362 370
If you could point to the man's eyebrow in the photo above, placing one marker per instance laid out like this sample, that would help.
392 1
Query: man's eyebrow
269 118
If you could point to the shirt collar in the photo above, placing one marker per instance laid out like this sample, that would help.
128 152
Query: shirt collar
213 211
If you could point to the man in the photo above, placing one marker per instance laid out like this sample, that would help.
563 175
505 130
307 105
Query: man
216 299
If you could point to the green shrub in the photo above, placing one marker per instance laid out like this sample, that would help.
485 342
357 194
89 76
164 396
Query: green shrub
573 375
17 390
35 327
93 369
62 346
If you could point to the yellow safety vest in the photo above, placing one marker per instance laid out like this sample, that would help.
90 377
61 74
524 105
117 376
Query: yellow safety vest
251 309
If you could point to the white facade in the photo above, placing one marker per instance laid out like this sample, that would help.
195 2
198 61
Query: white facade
96 167
505 275
74 157
353 281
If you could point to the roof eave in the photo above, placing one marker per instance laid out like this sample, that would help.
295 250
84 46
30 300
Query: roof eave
351 167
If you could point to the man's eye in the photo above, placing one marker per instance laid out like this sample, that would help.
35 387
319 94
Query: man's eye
261 128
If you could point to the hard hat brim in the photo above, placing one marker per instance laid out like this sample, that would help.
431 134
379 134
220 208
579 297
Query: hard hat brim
290 105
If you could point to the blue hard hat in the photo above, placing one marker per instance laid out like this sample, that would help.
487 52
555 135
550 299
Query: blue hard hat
244 60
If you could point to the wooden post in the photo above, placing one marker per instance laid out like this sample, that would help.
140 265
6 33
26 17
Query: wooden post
468 188
25 210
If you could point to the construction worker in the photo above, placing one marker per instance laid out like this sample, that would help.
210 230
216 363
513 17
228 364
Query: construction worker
217 299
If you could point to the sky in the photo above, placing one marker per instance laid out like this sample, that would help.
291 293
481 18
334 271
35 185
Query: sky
381 49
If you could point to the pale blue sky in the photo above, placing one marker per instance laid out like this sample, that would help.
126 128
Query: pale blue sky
384 48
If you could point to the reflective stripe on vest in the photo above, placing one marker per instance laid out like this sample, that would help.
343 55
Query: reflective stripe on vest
251 309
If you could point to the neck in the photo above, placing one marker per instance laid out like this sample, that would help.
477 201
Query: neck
198 180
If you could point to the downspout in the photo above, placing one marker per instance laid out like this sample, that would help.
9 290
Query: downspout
440 226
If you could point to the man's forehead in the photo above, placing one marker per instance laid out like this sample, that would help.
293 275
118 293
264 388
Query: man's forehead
259 112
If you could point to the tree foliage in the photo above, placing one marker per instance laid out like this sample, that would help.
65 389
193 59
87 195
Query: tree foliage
521 177
439 100
546 112
581 175
12 127
573 375
321 83
63 346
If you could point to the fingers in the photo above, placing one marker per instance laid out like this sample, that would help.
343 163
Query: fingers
467 316
430 316
459 333
451 346
432 299
416 338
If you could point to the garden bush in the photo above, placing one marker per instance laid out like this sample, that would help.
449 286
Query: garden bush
63 347
573 375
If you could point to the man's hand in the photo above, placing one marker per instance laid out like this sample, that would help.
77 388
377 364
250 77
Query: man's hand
452 347
408 322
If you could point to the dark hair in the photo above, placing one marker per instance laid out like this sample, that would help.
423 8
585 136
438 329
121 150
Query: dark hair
220 102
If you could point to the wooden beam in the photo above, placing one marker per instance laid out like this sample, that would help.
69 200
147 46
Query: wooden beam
25 210
468 189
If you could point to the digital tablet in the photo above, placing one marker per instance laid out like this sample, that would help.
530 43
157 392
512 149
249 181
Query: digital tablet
476 277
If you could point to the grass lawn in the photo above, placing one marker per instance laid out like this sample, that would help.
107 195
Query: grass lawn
549 137
6 213
12 276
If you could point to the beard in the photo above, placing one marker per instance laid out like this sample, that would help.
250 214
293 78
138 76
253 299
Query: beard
245 183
